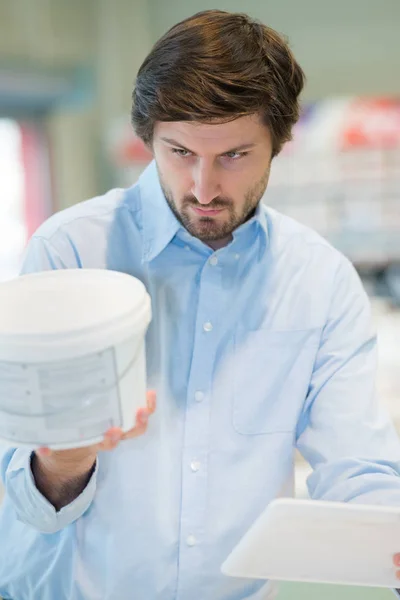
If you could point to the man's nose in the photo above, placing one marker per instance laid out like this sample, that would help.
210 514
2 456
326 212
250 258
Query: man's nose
205 184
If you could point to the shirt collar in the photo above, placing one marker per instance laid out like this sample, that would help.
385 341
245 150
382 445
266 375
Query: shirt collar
260 217
160 224
255 230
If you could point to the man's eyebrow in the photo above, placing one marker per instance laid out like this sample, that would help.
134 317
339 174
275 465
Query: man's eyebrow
173 142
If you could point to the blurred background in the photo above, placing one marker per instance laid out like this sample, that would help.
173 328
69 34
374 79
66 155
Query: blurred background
67 69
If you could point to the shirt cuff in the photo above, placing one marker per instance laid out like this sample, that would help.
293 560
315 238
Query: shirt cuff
31 507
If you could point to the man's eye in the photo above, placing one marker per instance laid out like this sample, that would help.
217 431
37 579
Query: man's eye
181 152
235 155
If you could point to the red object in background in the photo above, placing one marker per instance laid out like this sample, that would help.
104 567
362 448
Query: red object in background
372 123
125 148
133 150
35 164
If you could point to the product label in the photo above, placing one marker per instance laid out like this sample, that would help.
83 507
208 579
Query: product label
59 402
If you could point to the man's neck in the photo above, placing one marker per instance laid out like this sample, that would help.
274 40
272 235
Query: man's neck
217 244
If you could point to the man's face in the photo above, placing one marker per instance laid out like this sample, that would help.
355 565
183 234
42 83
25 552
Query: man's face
213 175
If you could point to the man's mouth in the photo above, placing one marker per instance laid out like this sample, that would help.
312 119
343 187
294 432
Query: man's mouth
205 212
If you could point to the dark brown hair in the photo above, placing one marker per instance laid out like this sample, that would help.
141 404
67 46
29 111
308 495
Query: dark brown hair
219 66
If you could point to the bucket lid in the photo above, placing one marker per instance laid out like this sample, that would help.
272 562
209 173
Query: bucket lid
68 300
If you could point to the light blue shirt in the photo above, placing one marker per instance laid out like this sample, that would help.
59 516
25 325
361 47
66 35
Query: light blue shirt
258 348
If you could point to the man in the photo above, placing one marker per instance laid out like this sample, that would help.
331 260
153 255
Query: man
261 342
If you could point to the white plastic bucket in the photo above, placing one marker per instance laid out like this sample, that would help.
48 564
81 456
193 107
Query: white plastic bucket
72 356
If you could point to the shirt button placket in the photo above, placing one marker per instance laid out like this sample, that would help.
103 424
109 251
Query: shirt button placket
196 438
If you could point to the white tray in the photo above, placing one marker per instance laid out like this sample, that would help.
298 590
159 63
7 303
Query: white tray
322 542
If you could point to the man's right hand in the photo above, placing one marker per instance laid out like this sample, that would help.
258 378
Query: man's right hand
61 475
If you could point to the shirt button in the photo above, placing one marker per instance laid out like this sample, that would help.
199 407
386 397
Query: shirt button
195 466
207 326
187 248
237 256
199 396
214 261
191 540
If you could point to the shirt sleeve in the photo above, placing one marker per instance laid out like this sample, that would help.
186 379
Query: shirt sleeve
41 255
30 506
344 433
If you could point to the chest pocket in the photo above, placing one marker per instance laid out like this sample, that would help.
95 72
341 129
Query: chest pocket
271 377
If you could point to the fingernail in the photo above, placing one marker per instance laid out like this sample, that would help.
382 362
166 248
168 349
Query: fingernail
43 451
143 418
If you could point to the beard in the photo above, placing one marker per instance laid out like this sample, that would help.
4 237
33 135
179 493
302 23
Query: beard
211 229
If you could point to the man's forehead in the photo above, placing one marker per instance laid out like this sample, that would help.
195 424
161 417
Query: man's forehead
243 130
